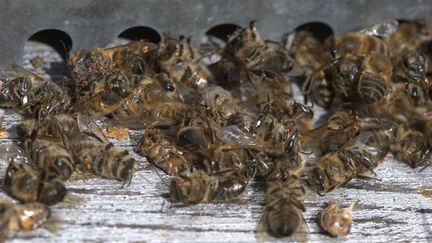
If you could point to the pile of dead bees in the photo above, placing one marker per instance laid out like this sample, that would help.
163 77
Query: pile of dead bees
215 125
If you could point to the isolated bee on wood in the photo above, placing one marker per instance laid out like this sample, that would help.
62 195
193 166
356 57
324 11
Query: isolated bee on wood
335 220
316 65
198 187
27 183
282 216
47 145
21 217
336 169
164 153
30 94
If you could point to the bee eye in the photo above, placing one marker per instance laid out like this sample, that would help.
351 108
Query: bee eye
169 87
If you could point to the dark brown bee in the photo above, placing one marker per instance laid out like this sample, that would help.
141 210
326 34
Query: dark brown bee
335 220
164 153
22 217
316 64
26 183
337 169
29 93
45 142
96 154
198 187
283 211
107 95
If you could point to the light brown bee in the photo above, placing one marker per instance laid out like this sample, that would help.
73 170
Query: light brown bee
96 154
21 217
27 92
343 128
198 187
411 147
282 215
335 220
220 104
356 43
164 153
181 62
151 103
46 144
25 182
336 169
316 64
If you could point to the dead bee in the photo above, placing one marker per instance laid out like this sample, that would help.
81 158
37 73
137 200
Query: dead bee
95 153
363 42
22 217
29 93
374 79
164 153
220 104
198 187
26 183
46 145
283 211
411 147
335 220
337 169
342 129
151 103
316 64
181 62
364 78
106 95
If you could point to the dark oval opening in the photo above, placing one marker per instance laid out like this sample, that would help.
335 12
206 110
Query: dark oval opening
140 33
319 29
222 31
56 39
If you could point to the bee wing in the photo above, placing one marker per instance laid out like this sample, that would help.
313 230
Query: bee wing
11 152
88 126
383 29
261 235
15 71
233 135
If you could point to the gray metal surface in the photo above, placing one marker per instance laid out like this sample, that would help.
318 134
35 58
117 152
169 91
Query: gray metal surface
98 22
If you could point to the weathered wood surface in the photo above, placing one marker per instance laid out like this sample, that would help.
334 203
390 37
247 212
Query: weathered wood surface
389 209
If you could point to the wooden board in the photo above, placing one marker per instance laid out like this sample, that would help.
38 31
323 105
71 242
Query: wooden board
389 209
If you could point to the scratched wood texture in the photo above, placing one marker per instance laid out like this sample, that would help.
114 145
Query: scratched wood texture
98 210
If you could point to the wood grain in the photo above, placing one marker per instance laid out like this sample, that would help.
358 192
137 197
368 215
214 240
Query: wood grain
98 210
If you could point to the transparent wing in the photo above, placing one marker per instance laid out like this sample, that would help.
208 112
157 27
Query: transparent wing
15 71
88 126
382 29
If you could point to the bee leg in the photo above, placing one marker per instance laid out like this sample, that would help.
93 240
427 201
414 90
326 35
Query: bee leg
307 88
